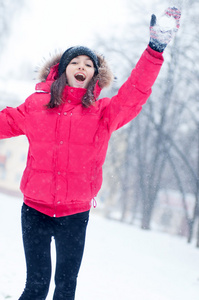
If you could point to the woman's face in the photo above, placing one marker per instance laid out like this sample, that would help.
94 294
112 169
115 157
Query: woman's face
80 71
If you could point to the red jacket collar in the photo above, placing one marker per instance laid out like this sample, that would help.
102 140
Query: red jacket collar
74 93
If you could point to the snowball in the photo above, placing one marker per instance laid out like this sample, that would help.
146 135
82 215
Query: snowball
167 23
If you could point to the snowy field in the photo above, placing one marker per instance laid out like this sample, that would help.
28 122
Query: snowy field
121 262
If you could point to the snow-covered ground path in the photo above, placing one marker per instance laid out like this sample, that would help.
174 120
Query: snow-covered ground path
121 262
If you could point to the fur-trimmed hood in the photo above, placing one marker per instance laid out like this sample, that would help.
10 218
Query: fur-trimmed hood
49 71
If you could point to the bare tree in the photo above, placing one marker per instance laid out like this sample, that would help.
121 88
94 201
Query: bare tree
157 143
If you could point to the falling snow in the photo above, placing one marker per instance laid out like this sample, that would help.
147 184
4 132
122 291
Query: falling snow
120 261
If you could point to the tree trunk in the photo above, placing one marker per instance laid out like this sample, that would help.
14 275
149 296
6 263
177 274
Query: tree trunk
146 214
192 221
197 243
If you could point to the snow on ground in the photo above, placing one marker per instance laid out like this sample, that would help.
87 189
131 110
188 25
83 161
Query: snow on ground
120 261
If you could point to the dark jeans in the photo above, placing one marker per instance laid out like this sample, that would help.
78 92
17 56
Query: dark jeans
69 234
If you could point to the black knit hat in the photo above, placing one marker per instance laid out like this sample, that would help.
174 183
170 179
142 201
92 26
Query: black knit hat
73 52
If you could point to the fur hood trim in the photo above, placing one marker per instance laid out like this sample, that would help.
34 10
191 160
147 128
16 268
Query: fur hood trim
105 76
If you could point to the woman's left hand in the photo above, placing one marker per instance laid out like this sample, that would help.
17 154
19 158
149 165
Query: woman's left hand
163 30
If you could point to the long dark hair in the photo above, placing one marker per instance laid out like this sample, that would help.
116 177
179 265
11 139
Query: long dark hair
57 88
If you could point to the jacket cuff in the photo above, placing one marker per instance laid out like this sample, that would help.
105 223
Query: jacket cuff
154 53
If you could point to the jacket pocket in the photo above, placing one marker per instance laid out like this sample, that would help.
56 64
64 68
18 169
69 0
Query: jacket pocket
37 185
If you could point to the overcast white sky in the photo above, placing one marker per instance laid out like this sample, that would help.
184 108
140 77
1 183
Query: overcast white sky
45 25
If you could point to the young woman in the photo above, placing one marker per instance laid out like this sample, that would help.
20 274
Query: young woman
68 131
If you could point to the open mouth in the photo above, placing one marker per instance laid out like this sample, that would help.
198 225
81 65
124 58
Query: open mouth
80 77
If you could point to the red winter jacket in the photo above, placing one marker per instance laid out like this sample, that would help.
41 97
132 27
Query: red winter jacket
68 144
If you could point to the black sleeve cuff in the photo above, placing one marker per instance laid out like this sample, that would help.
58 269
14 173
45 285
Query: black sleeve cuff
155 45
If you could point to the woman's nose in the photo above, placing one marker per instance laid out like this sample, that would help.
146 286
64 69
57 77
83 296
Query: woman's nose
81 67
